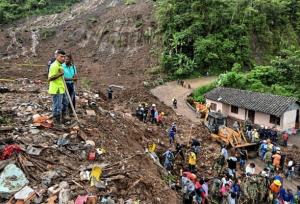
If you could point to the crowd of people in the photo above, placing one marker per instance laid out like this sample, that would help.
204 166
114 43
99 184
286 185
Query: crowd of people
235 179
147 113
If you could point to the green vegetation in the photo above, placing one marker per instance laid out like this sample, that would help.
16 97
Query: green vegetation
11 10
254 42
212 35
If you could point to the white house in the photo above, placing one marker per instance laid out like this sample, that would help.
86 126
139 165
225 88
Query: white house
261 108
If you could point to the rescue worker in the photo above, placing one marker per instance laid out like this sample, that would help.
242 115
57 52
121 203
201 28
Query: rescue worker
57 88
179 150
70 75
285 137
174 102
276 160
242 158
261 187
169 157
232 161
195 146
160 118
216 186
188 187
263 149
268 159
109 93
274 189
171 135
252 190
255 136
145 113
152 113
192 160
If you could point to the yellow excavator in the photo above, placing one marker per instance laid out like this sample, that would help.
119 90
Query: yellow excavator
217 124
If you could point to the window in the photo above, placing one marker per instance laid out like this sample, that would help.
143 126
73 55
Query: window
274 120
213 106
234 109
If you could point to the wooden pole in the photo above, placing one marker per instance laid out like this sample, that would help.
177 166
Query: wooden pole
70 100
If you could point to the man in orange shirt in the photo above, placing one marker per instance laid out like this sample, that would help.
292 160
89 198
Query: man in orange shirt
276 160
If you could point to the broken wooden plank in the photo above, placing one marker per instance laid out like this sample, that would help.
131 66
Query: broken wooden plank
6 128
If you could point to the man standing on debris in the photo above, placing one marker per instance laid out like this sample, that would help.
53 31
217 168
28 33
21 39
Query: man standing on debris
152 113
285 137
109 93
172 132
70 75
169 157
192 160
56 86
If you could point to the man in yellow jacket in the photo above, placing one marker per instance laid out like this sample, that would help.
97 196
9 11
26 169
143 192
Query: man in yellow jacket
192 160
57 88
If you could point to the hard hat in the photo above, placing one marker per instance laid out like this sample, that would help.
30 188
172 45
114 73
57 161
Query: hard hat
277 183
162 113
264 141
153 105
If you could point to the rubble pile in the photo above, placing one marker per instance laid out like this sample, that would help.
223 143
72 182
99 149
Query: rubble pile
100 158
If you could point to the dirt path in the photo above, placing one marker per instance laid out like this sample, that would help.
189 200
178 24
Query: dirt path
166 92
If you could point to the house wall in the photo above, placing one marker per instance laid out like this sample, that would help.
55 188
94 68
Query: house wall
219 105
226 109
264 119
289 119
240 115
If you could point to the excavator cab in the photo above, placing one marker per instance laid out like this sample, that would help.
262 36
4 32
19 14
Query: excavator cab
215 120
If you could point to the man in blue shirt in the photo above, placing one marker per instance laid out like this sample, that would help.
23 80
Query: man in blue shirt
70 75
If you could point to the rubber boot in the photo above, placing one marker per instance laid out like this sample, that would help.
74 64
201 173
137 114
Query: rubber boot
57 121
65 117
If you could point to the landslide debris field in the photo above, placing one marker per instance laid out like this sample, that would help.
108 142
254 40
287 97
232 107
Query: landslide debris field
111 44
121 139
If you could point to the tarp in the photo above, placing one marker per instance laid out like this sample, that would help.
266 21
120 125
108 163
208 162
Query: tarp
12 179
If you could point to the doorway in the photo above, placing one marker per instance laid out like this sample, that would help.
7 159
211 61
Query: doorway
251 115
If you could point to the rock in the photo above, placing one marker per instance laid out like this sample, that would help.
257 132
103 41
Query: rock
90 112
29 109
12 179
48 176
90 143
34 131
146 84
64 194
24 193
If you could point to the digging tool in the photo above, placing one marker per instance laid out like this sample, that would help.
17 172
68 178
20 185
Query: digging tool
70 100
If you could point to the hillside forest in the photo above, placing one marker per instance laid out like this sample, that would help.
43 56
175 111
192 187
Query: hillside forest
252 44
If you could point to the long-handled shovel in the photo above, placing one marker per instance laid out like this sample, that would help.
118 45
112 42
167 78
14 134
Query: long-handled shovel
70 100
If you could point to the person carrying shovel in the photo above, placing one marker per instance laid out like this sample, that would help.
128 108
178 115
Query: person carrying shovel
57 88
70 75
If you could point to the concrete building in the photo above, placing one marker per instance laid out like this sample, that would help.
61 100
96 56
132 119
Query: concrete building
261 108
